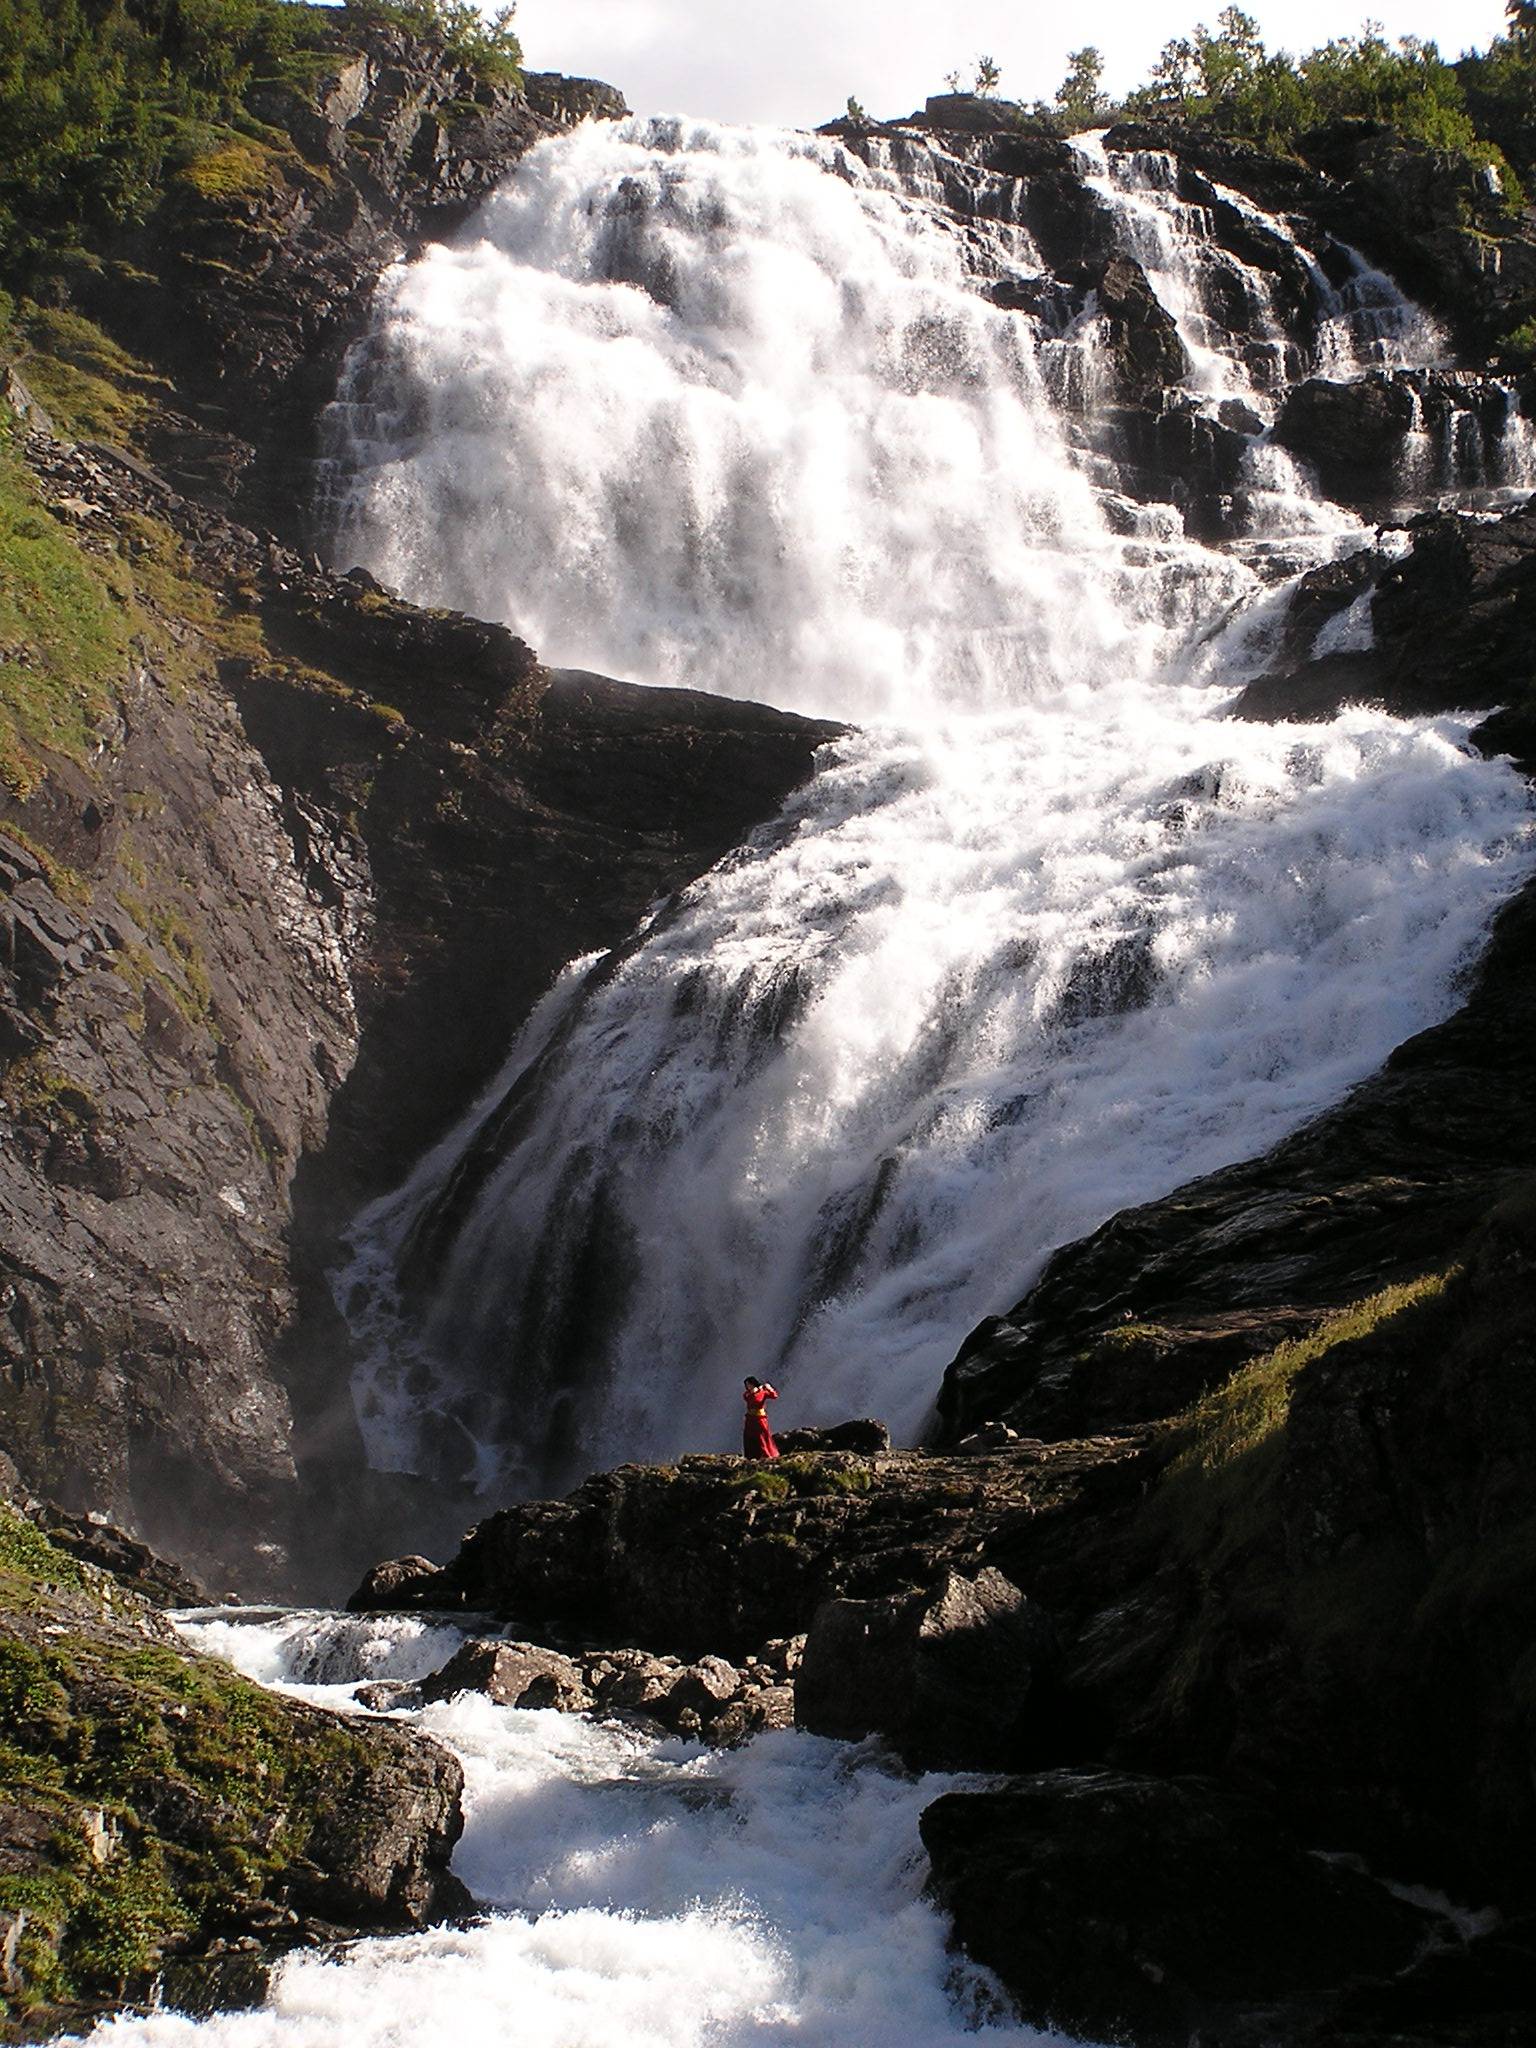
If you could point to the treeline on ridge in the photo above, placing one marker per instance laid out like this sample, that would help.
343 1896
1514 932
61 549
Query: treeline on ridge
1482 106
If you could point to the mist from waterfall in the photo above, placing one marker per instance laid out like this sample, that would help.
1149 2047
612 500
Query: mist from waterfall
1047 937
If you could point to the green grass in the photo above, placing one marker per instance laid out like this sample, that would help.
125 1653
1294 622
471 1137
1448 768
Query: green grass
1214 1493
1218 1517
161 1787
239 169
66 631
803 1475
32 1086
94 389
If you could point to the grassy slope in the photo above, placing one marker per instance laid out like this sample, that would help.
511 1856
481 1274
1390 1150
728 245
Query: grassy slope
148 1793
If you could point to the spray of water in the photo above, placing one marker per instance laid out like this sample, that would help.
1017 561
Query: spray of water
1047 938
639 1894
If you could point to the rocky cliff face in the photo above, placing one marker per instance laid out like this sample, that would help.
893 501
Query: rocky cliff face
245 893
238 929
254 275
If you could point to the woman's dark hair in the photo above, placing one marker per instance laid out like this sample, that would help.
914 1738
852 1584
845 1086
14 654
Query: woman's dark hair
750 1382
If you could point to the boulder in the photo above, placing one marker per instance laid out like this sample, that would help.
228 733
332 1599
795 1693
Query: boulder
397 1582
1352 434
948 1676
867 1437
1157 1910
513 1675
1139 335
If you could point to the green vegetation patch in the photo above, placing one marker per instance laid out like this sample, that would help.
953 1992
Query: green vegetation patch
803 1475
94 389
1214 1495
66 627
240 170
28 1556
105 103
33 1087
147 1789
1480 109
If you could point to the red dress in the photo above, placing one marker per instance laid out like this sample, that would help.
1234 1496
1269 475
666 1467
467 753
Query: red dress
756 1437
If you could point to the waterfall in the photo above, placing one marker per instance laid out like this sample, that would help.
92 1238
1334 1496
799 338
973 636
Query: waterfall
1045 938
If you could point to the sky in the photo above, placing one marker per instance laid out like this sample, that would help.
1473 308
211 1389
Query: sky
795 62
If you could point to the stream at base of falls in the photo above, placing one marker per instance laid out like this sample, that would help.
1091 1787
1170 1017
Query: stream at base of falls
637 1892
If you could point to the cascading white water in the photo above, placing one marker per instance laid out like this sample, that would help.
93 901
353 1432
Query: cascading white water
729 409
639 1893
725 408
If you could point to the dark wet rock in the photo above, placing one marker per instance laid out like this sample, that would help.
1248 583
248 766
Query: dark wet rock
386 1695
1427 217
970 113
566 101
1161 1911
951 1676
1396 437
714 1555
398 1582
1337 1616
864 1436
1475 1991
377 1855
511 1674
1140 337
1432 219
1452 623
709 1700
1352 434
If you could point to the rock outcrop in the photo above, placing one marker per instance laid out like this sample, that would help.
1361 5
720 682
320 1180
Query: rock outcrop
716 1554
251 279
1451 623
709 1700
1159 1911
167 1820
234 929
959 1675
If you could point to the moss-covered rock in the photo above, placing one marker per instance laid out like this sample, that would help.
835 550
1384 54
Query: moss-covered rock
159 1806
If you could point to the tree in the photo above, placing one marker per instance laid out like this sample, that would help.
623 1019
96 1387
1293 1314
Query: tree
987 76
1078 98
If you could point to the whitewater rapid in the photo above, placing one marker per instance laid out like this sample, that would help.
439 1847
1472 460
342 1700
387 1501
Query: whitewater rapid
638 1893
1049 935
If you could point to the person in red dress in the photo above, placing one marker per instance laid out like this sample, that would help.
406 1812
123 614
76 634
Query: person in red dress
756 1437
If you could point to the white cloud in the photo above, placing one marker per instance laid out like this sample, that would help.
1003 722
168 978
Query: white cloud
796 61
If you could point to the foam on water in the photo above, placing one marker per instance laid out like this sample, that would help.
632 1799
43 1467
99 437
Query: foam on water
1047 938
979 990
722 407
640 1894
308 1649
